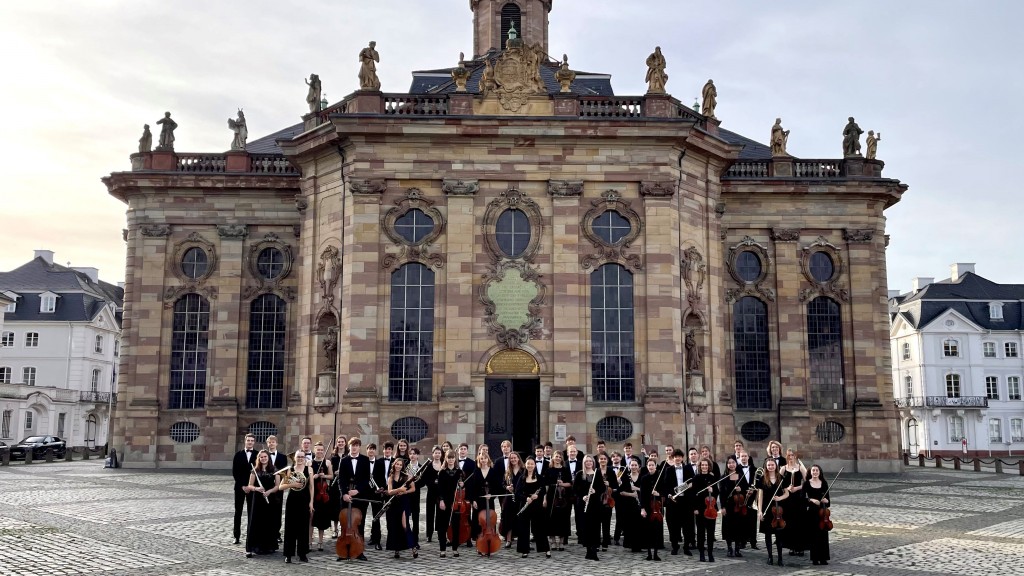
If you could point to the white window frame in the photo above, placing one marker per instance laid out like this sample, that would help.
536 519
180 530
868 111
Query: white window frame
953 380
29 375
908 385
94 384
47 304
6 374
5 425
956 429
1013 388
995 310
1010 349
7 339
98 347
12 307
906 350
988 349
995 430
28 419
62 419
992 387
951 348
31 339
1017 429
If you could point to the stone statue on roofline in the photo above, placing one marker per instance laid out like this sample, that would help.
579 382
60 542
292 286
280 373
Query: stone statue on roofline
146 142
487 82
564 75
238 126
873 141
779 139
368 58
460 75
167 127
656 76
851 139
710 94
314 94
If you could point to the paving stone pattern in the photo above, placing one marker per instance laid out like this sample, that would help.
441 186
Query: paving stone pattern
81 519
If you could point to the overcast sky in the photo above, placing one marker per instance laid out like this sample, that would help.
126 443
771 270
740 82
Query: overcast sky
941 80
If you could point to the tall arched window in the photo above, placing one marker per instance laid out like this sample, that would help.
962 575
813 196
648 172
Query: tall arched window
751 361
189 349
611 334
825 353
90 430
912 443
265 377
510 14
411 354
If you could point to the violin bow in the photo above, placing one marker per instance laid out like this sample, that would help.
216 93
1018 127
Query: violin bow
260 484
832 483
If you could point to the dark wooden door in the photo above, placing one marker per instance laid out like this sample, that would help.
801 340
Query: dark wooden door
512 412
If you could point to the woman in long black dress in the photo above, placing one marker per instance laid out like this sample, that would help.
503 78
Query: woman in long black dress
589 485
704 487
533 513
339 451
298 508
449 480
733 509
611 485
323 509
627 507
483 483
510 506
652 530
816 491
770 490
261 536
399 486
561 500
794 474
429 479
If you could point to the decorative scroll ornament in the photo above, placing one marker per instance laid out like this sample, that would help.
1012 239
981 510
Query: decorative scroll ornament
191 285
261 285
301 203
865 235
408 250
611 200
328 272
233 231
155 230
516 74
373 187
513 294
657 189
460 187
830 287
753 287
694 271
786 234
512 199
565 188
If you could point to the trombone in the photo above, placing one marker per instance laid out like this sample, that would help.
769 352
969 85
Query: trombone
758 474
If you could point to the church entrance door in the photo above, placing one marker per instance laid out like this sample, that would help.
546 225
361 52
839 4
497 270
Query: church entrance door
512 412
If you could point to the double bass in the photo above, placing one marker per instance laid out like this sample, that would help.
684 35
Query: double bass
488 542
350 541
461 507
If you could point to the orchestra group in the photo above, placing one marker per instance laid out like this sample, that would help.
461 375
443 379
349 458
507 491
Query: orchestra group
486 503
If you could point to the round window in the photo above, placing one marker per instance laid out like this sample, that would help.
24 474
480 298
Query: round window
614 429
270 263
195 263
414 226
262 429
748 266
184 432
410 428
513 232
611 227
830 431
822 267
755 431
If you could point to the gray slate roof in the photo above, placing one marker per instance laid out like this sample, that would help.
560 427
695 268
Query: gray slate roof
969 296
268 143
80 299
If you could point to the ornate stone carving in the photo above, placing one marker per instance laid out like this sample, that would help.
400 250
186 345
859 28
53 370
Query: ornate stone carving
369 187
872 142
124 234
719 209
786 234
779 139
330 346
734 294
851 139
515 199
861 235
454 187
240 131
753 287
418 251
513 281
167 127
460 74
155 230
260 284
830 287
368 59
172 293
328 272
188 285
656 77
710 95
694 360
617 252
146 141
565 188
516 74
694 271
657 189
313 94
232 231
297 230
301 203
564 75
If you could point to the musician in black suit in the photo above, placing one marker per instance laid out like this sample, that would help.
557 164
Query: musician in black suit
241 468
501 462
381 470
280 462
465 463
675 474
354 473
748 472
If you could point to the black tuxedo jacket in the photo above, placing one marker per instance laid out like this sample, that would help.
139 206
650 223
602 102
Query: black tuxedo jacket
279 460
469 467
380 471
499 465
241 467
360 478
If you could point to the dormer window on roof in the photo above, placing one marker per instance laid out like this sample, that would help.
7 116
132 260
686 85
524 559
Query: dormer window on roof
47 302
995 310
13 306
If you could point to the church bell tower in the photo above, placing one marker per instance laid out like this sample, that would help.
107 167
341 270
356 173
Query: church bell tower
493 18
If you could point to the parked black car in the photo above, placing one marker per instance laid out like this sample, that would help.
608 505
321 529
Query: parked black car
38 445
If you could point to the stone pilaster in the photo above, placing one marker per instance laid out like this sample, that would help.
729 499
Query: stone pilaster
568 299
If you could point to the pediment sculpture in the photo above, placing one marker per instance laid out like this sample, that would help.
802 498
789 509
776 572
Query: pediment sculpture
516 76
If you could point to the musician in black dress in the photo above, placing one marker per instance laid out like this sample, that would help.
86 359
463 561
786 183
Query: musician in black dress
627 507
323 510
705 454
298 508
510 506
449 480
612 484
793 475
704 503
261 533
770 492
817 493
652 531
415 469
733 507
561 498
399 486
429 479
339 451
589 485
533 512
483 483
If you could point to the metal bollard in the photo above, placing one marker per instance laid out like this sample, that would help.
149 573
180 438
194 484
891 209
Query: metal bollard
69 454
920 460
999 466
28 456
85 453
906 459
938 461
956 463
49 455
5 459
977 464
1020 464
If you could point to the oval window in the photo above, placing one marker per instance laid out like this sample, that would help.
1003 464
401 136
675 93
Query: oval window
614 429
414 226
513 232
830 431
755 431
262 429
184 432
270 263
822 267
611 227
410 428
748 266
195 263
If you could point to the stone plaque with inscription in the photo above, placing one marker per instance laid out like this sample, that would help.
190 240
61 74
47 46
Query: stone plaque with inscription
513 362
512 296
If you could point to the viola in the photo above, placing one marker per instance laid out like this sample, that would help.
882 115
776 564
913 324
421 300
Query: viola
710 510
488 542
350 541
321 496
607 498
778 519
657 510
739 504
461 507
825 518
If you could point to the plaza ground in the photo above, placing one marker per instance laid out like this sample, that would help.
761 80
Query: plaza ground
78 518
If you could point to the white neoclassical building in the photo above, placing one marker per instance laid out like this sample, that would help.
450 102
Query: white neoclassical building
957 365
59 347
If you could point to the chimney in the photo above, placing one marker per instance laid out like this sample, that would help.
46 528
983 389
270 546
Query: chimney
956 271
893 294
92 273
919 282
45 255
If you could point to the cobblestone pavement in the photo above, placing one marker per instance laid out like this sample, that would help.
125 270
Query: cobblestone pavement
78 518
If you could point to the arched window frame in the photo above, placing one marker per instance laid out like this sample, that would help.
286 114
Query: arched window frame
268 337
261 285
612 351
512 199
410 375
753 387
951 348
833 286
618 252
189 356
412 251
825 354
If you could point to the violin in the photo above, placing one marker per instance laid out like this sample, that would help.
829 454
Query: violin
739 504
710 510
321 496
350 541
825 518
488 542
461 507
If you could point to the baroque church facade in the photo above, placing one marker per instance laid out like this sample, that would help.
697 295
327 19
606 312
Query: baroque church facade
507 250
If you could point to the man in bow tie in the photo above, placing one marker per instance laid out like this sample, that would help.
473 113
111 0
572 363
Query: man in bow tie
241 468
280 461
501 464
465 463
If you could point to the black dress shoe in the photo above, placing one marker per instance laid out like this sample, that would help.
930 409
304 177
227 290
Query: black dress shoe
248 554
237 541
656 557
361 557
287 559
378 547
304 558
687 552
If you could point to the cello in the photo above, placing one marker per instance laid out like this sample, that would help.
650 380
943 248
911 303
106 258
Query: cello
488 542
462 508
350 541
